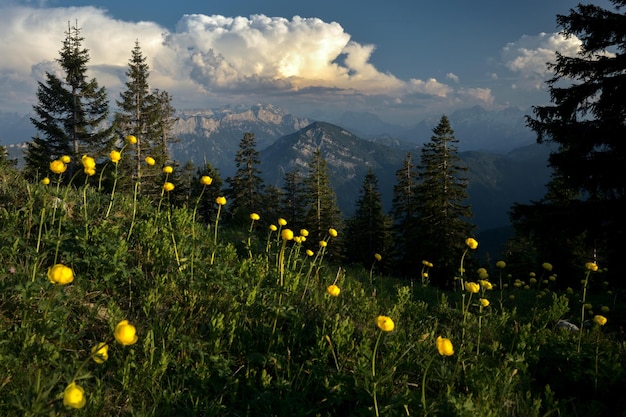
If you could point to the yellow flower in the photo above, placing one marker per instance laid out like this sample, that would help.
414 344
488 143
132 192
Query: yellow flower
100 352
605 309
286 234
45 181
485 284
483 274
74 396
125 333
592 266
150 160
206 180
547 266
90 171
472 287
115 156
332 232
131 139
532 274
88 162
282 222
444 346
60 274
484 302
168 169
309 252
501 264
385 323
57 166
323 243
378 257
255 217
333 290
304 232
471 243
65 159
273 227
221 201
601 320
168 186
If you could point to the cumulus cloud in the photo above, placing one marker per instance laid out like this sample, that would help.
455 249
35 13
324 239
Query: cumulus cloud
529 57
214 60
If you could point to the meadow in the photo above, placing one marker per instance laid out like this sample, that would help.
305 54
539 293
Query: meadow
116 305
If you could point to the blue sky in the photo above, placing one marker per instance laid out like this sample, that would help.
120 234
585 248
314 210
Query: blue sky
402 60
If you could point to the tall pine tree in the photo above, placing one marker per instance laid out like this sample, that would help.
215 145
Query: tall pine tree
368 230
71 112
444 217
587 121
246 187
294 199
404 216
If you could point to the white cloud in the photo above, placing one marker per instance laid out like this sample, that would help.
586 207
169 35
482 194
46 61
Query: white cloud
452 77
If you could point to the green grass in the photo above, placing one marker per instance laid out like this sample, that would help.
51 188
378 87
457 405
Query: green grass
222 332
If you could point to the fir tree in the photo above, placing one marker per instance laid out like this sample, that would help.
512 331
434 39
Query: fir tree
405 219
246 187
443 222
70 113
368 229
587 121
294 199
321 205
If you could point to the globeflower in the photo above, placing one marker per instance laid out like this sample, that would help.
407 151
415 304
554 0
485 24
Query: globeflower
592 266
309 252
378 257
286 234
74 396
471 243
206 180
304 232
221 201
472 287
65 159
333 290
125 333
385 323
115 156
45 181
601 320
273 227
323 243
57 166
444 346
168 186
501 264
88 163
131 139
484 302
254 217
332 232
60 274
168 169
282 222
150 160
547 266
100 352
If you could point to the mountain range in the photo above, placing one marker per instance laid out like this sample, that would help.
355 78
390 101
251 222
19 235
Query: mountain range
506 166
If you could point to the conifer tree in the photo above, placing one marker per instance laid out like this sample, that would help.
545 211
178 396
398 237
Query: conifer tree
246 187
405 219
587 120
443 214
294 199
71 112
149 116
368 230
321 205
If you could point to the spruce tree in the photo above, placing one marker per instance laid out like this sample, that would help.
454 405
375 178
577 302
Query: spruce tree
294 199
71 112
368 229
443 221
246 187
587 120
405 219
321 205
149 116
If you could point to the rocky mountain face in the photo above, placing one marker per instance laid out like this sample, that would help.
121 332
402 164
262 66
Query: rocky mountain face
213 135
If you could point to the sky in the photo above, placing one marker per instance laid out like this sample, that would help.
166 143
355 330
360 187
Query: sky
402 60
